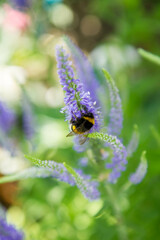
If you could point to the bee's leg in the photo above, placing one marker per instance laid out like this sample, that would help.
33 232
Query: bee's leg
85 108
74 117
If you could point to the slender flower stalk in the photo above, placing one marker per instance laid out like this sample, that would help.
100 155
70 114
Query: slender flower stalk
122 230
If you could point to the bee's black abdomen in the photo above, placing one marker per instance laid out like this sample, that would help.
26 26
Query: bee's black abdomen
87 125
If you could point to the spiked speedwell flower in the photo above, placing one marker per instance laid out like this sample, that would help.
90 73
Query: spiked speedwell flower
84 70
77 101
65 173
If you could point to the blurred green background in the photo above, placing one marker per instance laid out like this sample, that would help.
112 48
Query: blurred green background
110 32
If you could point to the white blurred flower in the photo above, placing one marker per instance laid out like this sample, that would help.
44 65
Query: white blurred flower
10 79
115 57
10 164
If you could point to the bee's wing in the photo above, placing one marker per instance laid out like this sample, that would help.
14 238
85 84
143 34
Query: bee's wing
70 134
82 139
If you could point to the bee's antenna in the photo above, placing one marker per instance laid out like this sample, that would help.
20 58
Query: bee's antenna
74 116
85 108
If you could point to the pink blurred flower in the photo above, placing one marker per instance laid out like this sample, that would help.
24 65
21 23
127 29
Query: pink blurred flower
14 19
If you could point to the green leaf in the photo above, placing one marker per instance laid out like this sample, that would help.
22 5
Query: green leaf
149 56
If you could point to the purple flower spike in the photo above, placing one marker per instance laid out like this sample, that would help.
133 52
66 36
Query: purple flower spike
141 171
88 188
7 117
9 232
58 170
116 116
28 120
118 161
84 70
65 173
77 101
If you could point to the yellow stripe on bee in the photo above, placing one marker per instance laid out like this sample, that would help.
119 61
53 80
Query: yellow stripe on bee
91 120
74 129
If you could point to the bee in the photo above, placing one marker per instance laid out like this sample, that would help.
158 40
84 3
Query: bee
81 125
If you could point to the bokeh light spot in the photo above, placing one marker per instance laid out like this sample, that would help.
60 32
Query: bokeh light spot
16 216
90 25
61 15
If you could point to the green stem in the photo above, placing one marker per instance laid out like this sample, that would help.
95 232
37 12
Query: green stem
149 56
126 186
155 134
11 178
122 231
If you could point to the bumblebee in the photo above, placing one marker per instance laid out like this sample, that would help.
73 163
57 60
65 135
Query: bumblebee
81 125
